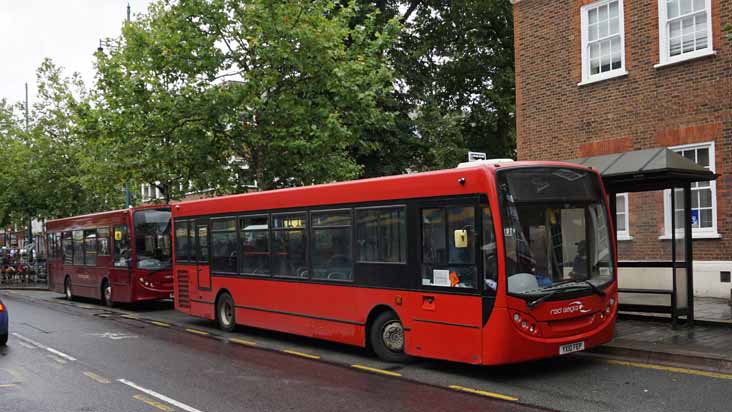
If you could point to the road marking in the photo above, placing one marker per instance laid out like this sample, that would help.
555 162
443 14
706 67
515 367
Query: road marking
708 374
42 346
242 341
154 403
197 332
25 345
85 306
163 398
483 393
376 370
301 354
113 335
61 354
95 377
57 359
163 324
17 378
130 317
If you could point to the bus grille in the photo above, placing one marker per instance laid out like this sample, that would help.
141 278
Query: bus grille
184 299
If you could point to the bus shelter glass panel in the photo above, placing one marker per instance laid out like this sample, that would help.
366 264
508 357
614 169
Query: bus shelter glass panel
680 216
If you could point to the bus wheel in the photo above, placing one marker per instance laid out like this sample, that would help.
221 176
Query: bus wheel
107 293
67 288
387 338
225 316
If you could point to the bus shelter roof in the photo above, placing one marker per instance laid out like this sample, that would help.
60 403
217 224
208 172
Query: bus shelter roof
646 170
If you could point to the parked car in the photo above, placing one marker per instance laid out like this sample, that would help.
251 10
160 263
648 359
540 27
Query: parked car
3 323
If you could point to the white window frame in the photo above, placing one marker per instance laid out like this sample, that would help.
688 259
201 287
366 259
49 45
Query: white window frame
702 232
624 234
588 78
663 32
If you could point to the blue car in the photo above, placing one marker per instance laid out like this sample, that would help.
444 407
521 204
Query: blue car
3 323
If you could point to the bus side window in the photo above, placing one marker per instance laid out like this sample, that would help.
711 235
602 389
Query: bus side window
121 246
68 248
182 244
103 241
90 247
488 252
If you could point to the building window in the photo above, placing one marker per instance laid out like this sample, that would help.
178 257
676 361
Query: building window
603 42
703 194
622 214
685 28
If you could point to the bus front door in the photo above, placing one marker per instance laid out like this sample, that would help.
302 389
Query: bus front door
203 274
447 322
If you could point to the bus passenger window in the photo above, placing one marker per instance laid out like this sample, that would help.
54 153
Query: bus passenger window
255 245
331 245
90 247
223 245
381 235
202 242
488 252
121 246
78 240
288 245
103 241
448 247
68 248
181 241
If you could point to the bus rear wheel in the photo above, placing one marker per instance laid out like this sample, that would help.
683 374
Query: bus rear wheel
225 314
67 289
387 338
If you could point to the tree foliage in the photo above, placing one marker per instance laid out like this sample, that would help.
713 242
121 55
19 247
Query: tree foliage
225 93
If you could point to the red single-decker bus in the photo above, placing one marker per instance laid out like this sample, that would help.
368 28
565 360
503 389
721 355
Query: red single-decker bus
491 263
118 256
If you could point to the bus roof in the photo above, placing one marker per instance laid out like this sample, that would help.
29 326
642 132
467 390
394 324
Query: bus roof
417 185
96 219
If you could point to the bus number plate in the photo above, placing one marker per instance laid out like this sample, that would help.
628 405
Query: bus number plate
571 347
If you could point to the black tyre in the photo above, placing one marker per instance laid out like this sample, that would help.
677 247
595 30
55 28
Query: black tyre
67 289
3 339
107 293
225 313
387 338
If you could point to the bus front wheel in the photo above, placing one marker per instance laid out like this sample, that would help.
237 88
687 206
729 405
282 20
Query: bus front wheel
387 338
225 315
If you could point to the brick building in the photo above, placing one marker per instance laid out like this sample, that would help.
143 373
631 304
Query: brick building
600 77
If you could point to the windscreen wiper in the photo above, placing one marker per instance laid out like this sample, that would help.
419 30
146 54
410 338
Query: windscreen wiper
541 299
594 287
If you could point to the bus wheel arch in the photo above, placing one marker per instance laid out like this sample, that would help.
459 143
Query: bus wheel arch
225 311
105 288
385 334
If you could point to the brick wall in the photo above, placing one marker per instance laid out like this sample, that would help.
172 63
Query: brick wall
650 107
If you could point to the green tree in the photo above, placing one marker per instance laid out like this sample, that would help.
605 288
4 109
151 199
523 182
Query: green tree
225 93
454 71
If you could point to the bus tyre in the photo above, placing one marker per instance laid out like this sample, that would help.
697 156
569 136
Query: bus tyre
67 289
387 338
107 293
3 339
225 314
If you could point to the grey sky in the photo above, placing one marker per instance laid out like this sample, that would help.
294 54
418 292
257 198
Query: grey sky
67 31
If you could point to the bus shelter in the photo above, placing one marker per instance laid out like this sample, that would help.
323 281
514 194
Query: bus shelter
654 170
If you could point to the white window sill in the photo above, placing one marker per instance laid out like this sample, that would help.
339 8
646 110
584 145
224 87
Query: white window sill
703 235
682 59
605 76
624 238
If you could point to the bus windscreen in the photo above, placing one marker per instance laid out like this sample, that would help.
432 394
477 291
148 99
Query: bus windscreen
152 239
556 230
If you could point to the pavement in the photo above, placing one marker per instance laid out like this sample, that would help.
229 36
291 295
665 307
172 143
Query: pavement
648 367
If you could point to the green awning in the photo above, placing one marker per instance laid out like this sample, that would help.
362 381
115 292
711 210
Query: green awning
646 170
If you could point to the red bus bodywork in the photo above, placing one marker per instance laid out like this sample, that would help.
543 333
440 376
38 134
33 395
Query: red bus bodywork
129 284
462 327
